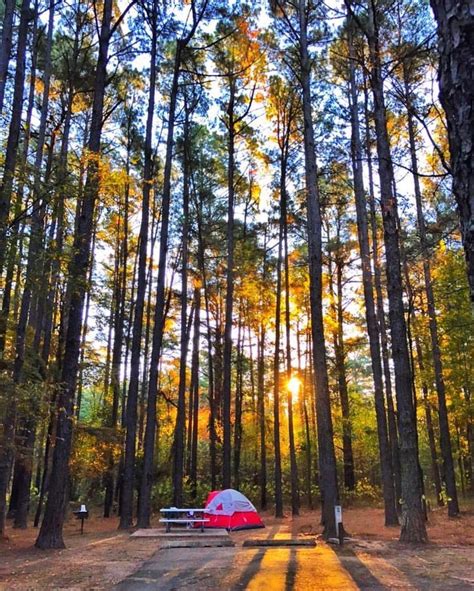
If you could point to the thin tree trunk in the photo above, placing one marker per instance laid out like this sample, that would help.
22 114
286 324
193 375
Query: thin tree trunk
295 495
276 385
126 514
194 391
413 521
238 403
210 361
261 388
340 354
305 420
261 418
429 424
7 447
178 444
370 314
159 319
19 201
85 330
382 325
229 298
444 435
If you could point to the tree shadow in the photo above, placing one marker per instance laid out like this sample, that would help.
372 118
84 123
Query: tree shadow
254 565
361 575
291 570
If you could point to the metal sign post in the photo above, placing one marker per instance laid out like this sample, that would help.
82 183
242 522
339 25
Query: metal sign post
82 514
338 519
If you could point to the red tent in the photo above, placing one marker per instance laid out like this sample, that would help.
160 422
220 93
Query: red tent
231 510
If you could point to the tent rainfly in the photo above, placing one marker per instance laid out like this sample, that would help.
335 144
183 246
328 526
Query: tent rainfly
231 510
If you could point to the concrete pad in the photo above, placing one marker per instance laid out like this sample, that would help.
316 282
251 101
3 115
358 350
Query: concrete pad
279 543
204 543
180 533
253 569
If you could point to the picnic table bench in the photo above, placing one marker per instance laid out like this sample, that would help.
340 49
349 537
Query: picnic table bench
175 518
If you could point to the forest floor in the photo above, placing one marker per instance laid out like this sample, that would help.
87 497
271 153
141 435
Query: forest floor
103 557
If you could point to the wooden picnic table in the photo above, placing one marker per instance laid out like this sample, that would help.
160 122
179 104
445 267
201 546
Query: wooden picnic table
189 518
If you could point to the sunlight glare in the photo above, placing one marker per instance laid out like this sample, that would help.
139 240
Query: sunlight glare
294 385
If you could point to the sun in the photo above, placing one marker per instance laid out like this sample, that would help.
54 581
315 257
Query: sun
294 385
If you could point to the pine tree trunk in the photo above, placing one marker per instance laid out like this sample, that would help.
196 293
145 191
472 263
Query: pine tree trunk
229 298
20 190
295 495
11 152
194 391
429 424
160 308
381 322
128 477
327 457
262 477
178 443
276 385
27 315
444 435
370 314
261 418
6 46
469 436
210 361
7 447
238 403
456 56
51 532
340 351
117 347
413 521
305 419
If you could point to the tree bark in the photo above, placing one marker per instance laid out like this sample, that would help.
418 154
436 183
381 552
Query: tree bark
391 517
238 430
229 298
284 147
381 322
456 57
276 385
178 443
6 46
51 532
27 316
413 521
126 514
444 435
6 187
194 391
262 478
327 457
340 360
159 318
11 152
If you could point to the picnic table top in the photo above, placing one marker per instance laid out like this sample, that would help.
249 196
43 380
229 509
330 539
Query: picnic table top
178 510
184 520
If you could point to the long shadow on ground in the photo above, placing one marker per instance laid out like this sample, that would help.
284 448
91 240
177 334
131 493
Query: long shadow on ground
254 565
362 576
